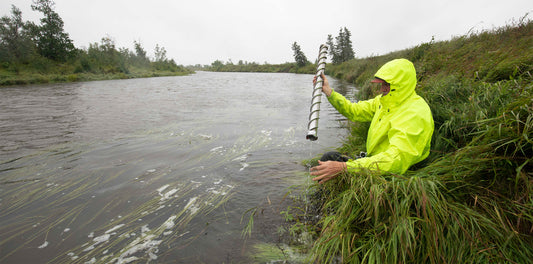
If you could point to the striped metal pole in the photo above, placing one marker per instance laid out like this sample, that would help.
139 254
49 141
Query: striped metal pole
312 126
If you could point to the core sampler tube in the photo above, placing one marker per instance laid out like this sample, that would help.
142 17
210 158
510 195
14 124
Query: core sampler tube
312 126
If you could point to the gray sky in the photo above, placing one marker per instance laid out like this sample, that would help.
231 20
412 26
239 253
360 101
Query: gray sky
202 31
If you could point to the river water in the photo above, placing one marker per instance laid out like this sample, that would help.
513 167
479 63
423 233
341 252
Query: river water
159 170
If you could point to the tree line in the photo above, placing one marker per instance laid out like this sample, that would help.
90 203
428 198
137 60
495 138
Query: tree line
340 49
27 46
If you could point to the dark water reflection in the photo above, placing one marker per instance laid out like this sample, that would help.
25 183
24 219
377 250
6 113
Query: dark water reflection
158 169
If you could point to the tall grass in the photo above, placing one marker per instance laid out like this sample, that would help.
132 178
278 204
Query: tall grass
471 200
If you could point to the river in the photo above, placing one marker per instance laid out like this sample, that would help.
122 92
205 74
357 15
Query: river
159 170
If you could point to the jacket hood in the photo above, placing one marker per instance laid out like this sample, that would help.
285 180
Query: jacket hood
401 75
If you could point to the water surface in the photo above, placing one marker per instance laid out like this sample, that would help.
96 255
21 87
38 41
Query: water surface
153 170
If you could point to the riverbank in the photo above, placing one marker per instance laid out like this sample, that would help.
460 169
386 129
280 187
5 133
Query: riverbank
471 199
289 67
38 78
25 77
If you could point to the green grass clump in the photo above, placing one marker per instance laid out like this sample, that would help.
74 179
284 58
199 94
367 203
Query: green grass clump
471 200
470 205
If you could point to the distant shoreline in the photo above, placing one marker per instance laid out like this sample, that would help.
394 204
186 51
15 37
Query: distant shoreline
37 78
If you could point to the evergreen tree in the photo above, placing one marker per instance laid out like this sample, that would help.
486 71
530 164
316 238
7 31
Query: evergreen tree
51 40
347 49
331 46
339 44
299 56
342 50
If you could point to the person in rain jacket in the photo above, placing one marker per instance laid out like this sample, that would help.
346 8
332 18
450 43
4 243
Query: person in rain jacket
400 130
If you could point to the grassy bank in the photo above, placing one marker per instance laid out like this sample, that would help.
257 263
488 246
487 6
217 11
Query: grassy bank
471 200
289 67
7 79
60 73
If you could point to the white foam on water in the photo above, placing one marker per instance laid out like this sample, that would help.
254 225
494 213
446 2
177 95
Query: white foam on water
266 132
92 261
127 260
151 170
215 191
170 222
144 230
140 244
169 194
216 149
244 166
101 239
241 158
160 190
206 137
66 230
45 244
72 256
91 235
89 248
217 182
114 228
190 205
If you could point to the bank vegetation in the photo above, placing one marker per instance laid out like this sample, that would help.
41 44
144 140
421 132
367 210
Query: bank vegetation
42 53
471 200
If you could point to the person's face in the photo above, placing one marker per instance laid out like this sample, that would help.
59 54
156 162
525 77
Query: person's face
385 88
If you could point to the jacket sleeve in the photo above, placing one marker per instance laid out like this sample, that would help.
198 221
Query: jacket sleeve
362 111
409 143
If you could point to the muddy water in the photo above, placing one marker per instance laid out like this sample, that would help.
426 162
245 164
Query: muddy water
156 170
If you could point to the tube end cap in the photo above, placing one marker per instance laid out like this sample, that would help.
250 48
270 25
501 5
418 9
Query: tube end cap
311 137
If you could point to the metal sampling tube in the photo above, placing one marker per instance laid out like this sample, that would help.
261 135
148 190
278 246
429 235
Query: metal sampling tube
312 126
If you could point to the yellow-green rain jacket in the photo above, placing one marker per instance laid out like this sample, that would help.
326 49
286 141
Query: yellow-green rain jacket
402 124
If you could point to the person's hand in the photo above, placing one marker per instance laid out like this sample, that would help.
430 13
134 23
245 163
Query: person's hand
325 85
327 170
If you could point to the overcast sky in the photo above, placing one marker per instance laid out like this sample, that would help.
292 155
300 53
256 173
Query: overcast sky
202 31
